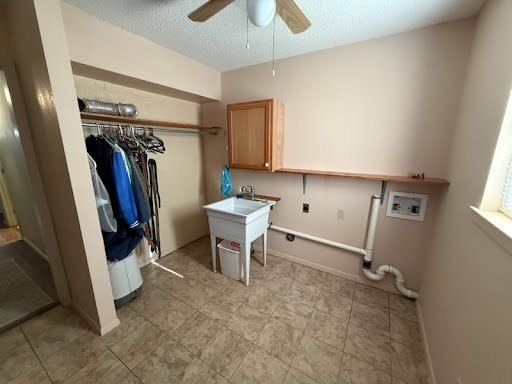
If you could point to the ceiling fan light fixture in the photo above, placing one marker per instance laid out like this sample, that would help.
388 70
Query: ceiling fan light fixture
261 12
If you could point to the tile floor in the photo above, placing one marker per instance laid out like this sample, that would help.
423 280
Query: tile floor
293 325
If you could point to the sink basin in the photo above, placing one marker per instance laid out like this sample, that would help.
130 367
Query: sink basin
239 210
241 221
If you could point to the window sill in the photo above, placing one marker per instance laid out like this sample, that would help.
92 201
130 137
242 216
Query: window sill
496 225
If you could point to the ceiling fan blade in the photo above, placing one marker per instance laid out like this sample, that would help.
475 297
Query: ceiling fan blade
208 9
292 16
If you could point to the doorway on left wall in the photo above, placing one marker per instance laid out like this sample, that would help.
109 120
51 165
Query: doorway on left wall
26 283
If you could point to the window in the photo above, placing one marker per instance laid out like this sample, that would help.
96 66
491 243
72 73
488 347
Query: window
506 198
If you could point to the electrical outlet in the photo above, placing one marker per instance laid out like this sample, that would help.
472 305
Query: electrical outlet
305 208
341 214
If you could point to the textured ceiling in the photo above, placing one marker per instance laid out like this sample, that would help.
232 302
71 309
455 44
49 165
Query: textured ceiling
220 41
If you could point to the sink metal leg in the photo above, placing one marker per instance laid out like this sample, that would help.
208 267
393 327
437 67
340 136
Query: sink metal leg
265 249
213 240
246 254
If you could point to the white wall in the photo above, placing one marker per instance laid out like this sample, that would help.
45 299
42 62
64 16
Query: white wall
467 289
180 168
16 173
100 45
383 106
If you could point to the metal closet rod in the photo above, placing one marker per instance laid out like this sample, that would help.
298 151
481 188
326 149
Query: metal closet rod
146 127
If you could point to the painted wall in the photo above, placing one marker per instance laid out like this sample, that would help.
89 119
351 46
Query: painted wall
180 168
16 172
467 289
383 106
41 58
95 43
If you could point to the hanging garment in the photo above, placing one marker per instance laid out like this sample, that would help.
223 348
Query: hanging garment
154 202
226 185
124 190
105 213
140 191
120 244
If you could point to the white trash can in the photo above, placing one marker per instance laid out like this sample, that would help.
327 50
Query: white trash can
230 260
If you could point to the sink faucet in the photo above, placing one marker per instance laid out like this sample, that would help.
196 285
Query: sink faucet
249 191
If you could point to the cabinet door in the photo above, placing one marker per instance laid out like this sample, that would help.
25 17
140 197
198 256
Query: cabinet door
249 135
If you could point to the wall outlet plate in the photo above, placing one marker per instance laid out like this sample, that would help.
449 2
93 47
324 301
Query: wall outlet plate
405 205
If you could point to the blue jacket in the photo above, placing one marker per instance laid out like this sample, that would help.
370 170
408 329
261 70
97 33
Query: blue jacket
127 207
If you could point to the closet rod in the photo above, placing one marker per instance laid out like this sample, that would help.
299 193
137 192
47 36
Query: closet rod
177 130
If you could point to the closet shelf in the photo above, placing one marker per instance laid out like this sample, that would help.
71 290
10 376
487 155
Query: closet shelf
146 122
366 176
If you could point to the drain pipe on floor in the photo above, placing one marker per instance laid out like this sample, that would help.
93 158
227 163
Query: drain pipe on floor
383 269
367 252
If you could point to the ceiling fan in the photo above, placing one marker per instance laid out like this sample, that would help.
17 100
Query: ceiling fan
260 12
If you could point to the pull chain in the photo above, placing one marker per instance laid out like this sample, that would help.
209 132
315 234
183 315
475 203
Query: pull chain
247 41
274 47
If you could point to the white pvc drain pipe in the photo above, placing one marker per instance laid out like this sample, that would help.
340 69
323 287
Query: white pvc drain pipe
367 252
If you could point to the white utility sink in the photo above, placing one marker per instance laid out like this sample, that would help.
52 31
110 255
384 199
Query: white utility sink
241 221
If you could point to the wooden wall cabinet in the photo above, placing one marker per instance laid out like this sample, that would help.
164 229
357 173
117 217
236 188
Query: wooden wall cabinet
255 135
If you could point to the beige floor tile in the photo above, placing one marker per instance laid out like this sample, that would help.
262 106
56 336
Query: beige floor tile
258 272
221 307
152 272
306 294
247 322
57 330
20 360
408 365
150 301
196 294
106 369
318 360
339 286
165 364
42 323
403 307
370 318
36 375
355 371
215 280
310 276
258 367
9 341
199 373
238 290
129 321
262 299
279 340
294 313
276 283
69 360
372 296
335 305
283 267
327 328
225 352
138 344
196 333
296 377
394 380
173 316
369 347
406 332
173 284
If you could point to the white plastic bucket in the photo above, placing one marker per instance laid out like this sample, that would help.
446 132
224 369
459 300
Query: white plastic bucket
230 260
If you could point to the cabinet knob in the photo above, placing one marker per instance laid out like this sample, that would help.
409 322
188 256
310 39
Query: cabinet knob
266 165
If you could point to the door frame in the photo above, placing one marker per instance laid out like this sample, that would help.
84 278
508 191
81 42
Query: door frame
6 202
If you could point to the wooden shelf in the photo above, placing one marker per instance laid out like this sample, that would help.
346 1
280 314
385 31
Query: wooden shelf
366 176
265 197
136 121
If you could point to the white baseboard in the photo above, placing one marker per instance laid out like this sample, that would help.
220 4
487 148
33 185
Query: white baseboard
37 250
332 271
425 343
